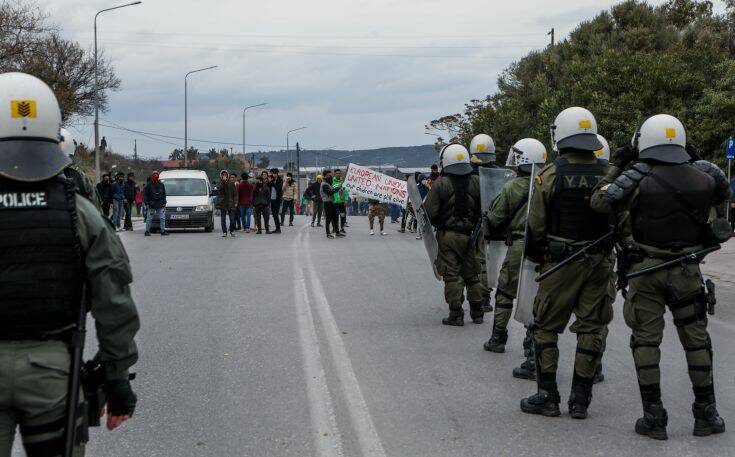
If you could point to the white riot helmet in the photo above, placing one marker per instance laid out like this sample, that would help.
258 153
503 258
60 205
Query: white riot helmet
662 138
455 160
67 142
482 148
30 119
603 153
526 153
575 128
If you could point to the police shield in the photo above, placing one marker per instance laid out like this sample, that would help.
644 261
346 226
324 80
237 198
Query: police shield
492 181
527 285
423 224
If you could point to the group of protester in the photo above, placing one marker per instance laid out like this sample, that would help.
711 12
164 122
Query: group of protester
269 197
120 195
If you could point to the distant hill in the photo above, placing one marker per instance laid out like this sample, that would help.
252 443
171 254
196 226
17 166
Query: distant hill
405 156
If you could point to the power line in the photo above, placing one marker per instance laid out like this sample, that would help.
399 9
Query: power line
153 134
318 53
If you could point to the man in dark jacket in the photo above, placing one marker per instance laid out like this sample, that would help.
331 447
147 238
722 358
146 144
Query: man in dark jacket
261 205
154 198
276 197
118 197
318 203
104 190
226 202
129 200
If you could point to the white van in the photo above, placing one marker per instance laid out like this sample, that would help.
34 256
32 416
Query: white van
188 203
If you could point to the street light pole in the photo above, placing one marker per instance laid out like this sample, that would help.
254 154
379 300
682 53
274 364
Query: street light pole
252 162
96 93
186 113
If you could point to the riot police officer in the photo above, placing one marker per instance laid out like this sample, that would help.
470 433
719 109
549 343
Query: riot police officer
506 220
59 256
669 201
453 207
561 223
482 149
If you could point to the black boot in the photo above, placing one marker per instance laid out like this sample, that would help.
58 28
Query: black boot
706 419
455 318
497 340
545 402
527 370
654 421
486 306
476 313
580 397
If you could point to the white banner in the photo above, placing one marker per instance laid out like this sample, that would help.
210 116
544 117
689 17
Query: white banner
377 186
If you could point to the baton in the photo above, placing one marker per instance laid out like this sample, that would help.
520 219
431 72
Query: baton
573 257
692 257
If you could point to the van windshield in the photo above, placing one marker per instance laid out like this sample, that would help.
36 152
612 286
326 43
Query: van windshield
185 187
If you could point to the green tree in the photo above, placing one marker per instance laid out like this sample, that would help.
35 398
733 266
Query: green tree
264 162
625 64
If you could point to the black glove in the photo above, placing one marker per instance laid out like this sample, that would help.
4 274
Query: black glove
693 152
535 253
121 399
623 156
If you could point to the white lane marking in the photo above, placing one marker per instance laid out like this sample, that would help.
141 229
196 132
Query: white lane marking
327 438
367 435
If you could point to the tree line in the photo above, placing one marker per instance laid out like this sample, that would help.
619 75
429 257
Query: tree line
625 64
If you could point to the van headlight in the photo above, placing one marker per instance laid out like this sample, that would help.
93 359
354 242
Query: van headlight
201 208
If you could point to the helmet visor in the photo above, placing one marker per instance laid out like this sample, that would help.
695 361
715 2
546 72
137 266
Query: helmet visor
29 160
666 153
583 141
459 169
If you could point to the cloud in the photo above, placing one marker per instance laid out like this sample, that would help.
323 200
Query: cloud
358 73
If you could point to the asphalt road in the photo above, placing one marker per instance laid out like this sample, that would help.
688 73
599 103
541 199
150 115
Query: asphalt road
297 345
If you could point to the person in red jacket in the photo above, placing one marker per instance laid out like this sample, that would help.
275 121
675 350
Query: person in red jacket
245 204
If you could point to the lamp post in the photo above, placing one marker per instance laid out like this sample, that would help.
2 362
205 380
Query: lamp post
186 113
252 162
96 92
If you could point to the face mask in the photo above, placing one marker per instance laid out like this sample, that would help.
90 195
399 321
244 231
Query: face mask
154 179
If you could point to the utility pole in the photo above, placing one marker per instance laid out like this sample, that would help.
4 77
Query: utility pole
552 36
135 151
298 171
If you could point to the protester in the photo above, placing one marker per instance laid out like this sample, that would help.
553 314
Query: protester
236 210
317 201
104 189
154 199
118 199
306 202
327 192
340 199
129 200
276 197
245 197
289 198
226 202
434 175
261 204
376 208
138 201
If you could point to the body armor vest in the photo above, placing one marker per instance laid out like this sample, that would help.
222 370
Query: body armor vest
571 216
673 207
40 258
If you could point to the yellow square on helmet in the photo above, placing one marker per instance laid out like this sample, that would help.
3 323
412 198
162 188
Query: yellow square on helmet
460 156
481 147
585 124
670 133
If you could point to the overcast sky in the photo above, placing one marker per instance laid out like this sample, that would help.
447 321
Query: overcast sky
358 73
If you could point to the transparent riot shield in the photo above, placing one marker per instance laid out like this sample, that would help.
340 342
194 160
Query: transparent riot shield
527 285
423 224
492 181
